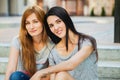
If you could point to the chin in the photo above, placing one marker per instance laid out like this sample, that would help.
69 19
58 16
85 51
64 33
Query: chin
33 35
60 36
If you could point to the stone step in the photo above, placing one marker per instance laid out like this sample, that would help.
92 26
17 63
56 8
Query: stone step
3 64
4 49
107 79
107 70
105 52
109 52
2 76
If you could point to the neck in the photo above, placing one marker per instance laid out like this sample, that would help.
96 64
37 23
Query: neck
37 39
73 38
38 43
62 43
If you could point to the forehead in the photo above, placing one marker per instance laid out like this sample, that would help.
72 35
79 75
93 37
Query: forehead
31 16
52 18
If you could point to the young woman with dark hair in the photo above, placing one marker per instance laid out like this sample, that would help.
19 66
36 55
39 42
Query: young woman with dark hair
74 56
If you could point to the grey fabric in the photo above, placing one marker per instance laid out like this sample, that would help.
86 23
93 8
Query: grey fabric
41 56
87 70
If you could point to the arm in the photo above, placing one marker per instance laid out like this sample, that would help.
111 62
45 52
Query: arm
68 65
52 76
73 62
12 62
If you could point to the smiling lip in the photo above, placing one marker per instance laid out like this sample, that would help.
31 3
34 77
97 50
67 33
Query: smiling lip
33 31
59 32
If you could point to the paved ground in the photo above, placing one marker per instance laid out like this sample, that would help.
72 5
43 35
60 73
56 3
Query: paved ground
102 28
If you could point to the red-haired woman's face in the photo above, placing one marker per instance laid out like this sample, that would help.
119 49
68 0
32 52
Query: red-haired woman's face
33 25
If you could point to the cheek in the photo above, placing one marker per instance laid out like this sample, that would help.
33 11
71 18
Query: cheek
27 29
40 27
52 30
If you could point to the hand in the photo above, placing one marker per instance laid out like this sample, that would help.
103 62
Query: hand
36 76
39 75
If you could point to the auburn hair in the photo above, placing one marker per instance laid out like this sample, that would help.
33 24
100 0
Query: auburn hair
28 51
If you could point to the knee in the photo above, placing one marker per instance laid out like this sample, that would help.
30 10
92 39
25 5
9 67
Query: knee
18 75
61 76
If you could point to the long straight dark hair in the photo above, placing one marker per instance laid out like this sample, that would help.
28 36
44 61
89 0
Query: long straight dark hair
64 16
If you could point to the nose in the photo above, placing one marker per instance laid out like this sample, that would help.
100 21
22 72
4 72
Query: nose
31 25
55 26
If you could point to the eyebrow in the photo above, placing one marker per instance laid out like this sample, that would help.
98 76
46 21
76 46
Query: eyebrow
32 20
56 20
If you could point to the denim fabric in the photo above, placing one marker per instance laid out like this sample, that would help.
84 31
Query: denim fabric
18 75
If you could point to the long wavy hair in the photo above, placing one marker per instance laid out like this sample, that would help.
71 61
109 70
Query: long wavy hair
28 51
64 16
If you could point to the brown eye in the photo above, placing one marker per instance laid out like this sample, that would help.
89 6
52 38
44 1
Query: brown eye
58 21
26 23
51 25
35 21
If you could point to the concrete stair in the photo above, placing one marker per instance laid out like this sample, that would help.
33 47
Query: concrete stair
4 53
109 61
4 49
109 52
3 67
1 76
109 70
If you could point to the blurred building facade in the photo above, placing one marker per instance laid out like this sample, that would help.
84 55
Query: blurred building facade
99 5
74 7
12 7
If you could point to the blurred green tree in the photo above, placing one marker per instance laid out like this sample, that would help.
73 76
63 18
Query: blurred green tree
113 11
103 13
92 12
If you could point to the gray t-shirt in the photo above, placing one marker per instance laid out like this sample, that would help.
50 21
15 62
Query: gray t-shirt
41 56
87 70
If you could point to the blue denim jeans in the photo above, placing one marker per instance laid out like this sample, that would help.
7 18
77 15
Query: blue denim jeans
18 75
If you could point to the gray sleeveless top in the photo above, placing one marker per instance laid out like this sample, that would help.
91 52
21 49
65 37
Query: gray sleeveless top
41 56
87 70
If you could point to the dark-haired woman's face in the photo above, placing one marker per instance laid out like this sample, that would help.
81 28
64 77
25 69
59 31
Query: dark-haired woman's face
57 26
